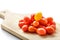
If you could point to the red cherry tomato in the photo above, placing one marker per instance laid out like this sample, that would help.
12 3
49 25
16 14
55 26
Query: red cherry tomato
52 23
48 24
21 24
54 26
43 21
32 17
21 20
41 26
27 23
30 21
27 20
25 28
35 23
32 29
50 19
50 30
41 31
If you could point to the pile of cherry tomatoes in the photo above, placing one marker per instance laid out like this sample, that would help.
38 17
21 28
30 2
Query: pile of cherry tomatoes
36 23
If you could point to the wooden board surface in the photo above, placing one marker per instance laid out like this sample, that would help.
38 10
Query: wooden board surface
10 24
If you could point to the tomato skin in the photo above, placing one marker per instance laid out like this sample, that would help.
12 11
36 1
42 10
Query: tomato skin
27 20
52 23
21 24
50 19
50 30
32 29
54 26
27 23
32 17
21 20
43 21
41 26
25 28
41 31
35 23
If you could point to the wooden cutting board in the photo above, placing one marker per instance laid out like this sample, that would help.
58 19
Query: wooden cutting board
10 24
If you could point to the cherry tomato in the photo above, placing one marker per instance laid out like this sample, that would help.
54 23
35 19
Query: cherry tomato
21 24
43 21
32 17
38 16
41 31
48 24
32 29
21 20
41 26
52 23
30 21
27 23
25 28
27 20
50 19
50 30
54 26
35 23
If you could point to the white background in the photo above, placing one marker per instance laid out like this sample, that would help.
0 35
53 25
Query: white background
47 7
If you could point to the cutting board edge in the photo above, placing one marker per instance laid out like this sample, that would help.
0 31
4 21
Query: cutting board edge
13 33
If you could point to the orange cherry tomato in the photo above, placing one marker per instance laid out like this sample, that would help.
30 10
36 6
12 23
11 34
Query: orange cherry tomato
41 26
32 29
54 26
41 31
50 30
25 28
35 23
